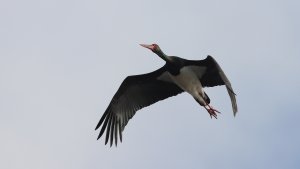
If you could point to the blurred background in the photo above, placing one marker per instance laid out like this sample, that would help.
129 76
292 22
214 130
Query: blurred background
61 62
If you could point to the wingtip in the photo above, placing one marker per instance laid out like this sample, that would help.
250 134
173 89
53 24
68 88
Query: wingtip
235 112
98 125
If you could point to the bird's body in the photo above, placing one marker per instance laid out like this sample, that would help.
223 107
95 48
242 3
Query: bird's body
176 76
188 81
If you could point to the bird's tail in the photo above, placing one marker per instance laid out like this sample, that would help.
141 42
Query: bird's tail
206 99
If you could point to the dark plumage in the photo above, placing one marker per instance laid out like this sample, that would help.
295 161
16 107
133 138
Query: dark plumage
176 76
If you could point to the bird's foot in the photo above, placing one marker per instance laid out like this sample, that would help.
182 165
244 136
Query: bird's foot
212 112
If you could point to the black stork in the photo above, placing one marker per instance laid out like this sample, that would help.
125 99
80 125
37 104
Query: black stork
176 76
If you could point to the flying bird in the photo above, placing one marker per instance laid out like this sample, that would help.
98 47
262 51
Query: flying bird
176 76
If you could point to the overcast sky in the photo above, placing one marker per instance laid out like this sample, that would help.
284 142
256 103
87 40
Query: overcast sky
61 61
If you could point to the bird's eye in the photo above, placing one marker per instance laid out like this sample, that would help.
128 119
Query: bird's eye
155 46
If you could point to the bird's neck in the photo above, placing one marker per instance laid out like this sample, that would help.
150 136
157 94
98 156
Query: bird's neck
162 55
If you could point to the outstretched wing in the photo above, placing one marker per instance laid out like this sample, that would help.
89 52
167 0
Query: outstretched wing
211 74
134 93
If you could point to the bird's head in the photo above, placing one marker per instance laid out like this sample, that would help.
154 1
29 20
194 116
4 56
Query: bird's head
153 47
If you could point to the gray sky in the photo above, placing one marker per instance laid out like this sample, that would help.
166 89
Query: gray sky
61 61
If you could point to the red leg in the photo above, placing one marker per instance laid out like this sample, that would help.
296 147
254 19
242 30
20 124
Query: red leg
213 108
211 111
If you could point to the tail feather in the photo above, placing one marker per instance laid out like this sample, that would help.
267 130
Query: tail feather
206 99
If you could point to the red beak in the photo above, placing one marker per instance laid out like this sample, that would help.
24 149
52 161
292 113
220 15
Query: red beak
151 47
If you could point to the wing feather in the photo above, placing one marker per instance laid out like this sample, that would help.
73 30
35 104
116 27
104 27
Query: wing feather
135 93
108 129
211 74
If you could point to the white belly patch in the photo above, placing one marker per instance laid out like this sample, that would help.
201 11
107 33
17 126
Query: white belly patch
187 80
